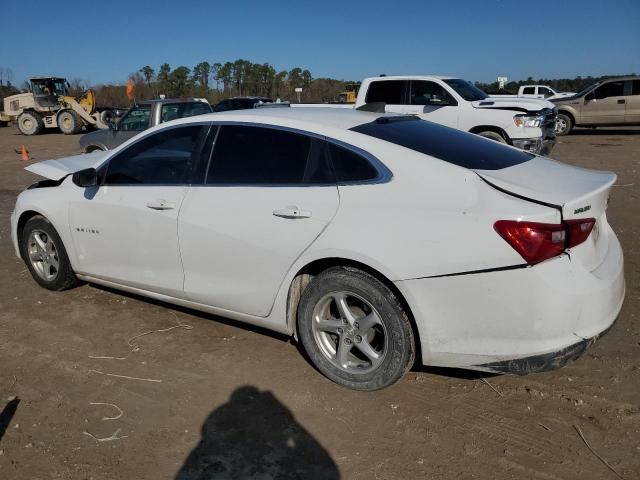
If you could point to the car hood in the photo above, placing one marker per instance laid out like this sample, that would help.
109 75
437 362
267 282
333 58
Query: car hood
517 104
61 167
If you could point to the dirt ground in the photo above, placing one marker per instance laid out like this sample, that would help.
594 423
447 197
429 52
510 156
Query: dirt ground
230 401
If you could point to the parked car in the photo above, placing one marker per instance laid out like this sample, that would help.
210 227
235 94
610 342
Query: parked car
537 91
143 115
240 103
371 238
525 123
611 102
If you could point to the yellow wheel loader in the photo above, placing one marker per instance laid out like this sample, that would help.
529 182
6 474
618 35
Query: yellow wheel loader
49 105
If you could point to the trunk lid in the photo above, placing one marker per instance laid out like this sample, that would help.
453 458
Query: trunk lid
61 167
577 192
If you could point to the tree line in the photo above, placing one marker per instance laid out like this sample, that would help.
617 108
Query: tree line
558 84
216 81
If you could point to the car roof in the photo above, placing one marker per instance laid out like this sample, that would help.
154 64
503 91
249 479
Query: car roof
413 77
168 100
326 117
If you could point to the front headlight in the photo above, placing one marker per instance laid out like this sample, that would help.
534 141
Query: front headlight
528 120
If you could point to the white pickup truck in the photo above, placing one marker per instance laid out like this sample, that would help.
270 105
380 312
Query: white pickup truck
538 91
525 123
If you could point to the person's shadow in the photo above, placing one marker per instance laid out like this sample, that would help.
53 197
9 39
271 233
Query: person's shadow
7 414
254 436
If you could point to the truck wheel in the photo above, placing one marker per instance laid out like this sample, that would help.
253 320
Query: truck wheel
69 122
563 124
492 136
30 123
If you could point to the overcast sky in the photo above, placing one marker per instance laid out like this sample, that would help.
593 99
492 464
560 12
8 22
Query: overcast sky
103 42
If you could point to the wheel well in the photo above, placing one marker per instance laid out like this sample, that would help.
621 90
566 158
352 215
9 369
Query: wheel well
24 218
93 148
568 114
304 276
491 128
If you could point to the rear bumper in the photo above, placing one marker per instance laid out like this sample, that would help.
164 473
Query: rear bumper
521 319
538 146
543 362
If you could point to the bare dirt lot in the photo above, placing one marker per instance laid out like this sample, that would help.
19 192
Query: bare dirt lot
214 399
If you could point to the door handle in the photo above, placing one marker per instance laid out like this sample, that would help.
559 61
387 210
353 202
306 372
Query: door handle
292 212
621 101
161 205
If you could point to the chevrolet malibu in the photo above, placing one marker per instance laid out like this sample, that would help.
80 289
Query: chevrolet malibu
373 239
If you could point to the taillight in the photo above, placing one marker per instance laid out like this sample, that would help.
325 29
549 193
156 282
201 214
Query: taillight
536 242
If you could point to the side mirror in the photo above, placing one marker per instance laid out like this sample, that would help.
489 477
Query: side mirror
86 178
590 96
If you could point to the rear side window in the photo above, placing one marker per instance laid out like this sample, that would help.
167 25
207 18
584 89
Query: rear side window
530 91
635 90
452 146
247 155
163 158
351 167
390 92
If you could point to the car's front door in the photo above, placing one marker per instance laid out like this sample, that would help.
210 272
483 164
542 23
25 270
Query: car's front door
125 230
605 105
267 195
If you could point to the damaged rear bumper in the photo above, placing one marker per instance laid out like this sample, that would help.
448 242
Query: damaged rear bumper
543 362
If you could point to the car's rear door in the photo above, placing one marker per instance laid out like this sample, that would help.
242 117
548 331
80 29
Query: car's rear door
126 229
266 196
632 114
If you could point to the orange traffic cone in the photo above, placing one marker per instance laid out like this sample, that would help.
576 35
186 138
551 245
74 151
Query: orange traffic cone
24 154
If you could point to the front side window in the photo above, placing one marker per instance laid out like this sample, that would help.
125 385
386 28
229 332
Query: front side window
545 92
635 89
611 89
390 92
248 155
136 120
428 93
164 158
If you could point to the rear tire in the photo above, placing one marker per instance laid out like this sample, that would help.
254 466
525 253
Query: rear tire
564 125
30 123
491 135
355 330
45 256
69 122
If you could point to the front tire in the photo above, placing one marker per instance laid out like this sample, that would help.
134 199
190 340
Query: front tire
30 123
564 125
69 122
491 135
355 330
44 253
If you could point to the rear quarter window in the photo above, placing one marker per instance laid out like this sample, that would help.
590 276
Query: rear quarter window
447 144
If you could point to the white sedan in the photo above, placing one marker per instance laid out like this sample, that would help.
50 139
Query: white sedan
374 239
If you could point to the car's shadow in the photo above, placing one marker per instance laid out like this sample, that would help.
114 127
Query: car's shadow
253 435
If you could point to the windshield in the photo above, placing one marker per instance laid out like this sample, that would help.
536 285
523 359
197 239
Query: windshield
49 86
466 90
444 143
585 90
